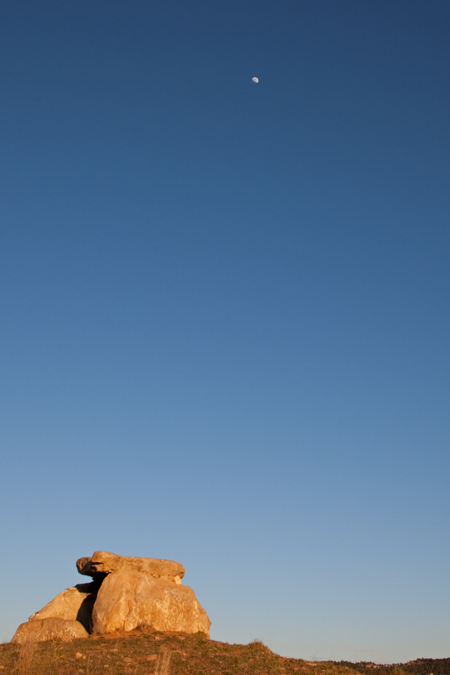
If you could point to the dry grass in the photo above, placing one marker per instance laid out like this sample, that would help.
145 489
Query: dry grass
24 657
145 652
163 662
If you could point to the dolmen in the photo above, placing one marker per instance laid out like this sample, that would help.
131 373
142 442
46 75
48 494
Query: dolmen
124 593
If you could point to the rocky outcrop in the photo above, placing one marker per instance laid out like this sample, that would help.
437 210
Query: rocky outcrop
51 628
129 598
125 592
73 604
102 563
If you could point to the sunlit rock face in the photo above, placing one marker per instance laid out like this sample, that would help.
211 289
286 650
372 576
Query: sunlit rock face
51 628
126 592
128 598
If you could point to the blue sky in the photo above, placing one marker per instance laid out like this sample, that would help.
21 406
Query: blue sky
225 311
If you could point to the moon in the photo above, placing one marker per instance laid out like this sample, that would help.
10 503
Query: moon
255 80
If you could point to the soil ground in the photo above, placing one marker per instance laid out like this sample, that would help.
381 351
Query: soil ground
144 652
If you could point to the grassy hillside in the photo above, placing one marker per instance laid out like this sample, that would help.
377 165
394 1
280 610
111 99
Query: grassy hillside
143 652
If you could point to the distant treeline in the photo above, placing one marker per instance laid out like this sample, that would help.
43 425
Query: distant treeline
418 667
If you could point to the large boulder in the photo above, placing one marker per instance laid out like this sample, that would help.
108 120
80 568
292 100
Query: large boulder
125 592
129 598
73 604
103 563
51 628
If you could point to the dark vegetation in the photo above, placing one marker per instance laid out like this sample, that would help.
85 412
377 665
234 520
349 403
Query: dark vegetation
145 652
418 667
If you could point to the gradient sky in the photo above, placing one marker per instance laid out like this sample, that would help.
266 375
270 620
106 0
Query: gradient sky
225 311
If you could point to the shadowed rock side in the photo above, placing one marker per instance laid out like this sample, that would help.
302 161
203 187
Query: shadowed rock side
73 604
125 592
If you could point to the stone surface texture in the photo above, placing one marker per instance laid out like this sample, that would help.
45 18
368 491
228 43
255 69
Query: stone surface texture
125 592
102 563
73 604
129 598
51 628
